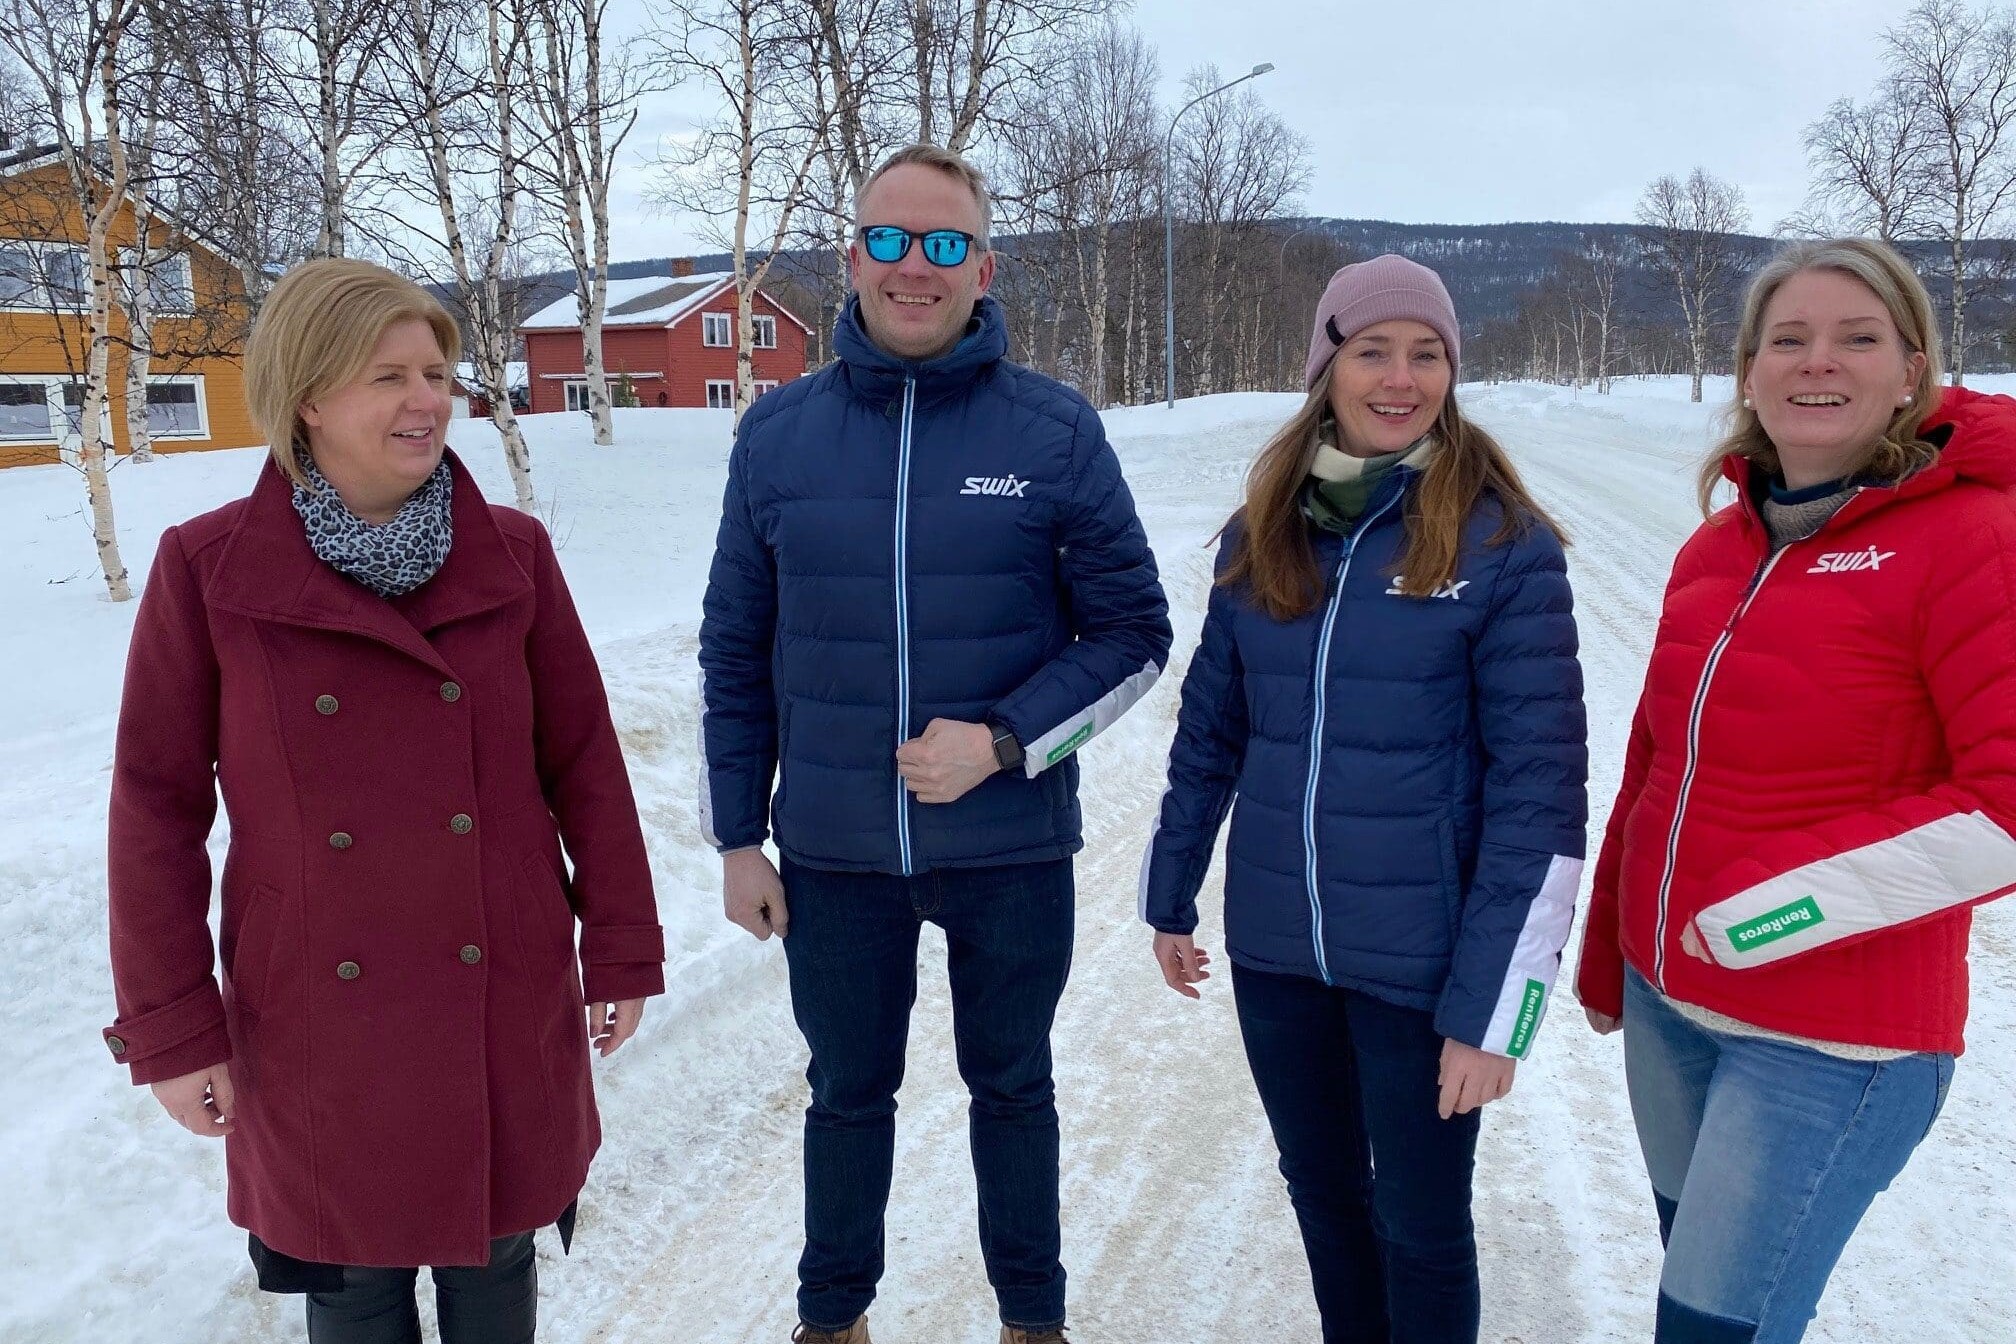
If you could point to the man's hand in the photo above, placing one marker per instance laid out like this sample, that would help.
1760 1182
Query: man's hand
1182 962
1602 1023
946 763
201 1102
752 895
1692 944
1470 1077
611 1024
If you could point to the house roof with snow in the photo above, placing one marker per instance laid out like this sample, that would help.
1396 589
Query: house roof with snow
649 301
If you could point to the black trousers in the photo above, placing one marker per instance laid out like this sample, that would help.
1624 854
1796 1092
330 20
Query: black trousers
497 1303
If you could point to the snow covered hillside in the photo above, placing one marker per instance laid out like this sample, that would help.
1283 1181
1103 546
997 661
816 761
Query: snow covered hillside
1176 1224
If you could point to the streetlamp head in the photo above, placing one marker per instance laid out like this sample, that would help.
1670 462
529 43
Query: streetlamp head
1263 68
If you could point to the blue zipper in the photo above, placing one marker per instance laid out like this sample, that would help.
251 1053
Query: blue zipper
903 616
1316 733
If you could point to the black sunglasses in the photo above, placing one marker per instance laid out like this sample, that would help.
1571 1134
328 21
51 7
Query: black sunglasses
942 247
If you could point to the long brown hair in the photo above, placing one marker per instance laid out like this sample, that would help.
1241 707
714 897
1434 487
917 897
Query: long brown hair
1899 451
1274 559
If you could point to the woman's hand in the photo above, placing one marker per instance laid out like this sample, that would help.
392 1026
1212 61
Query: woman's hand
1602 1023
1470 1077
1693 946
1182 962
201 1102
611 1024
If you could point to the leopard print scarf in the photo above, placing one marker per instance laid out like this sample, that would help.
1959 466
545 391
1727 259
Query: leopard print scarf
392 559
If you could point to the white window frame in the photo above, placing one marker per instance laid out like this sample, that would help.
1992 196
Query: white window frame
760 386
717 324
59 435
39 299
720 394
176 264
574 394
202 430
761 324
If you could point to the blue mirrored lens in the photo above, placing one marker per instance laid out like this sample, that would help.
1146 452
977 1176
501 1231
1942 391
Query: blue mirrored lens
886 243
945 248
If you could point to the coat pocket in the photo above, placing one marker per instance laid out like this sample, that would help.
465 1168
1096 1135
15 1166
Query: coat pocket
248 952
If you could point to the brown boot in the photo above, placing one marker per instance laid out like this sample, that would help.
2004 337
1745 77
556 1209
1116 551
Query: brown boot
856 1333
1011 1334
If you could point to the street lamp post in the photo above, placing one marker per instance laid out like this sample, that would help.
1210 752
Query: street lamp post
1169 236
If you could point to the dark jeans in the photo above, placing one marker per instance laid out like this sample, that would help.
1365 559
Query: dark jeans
1379 1181
852 951
497 1303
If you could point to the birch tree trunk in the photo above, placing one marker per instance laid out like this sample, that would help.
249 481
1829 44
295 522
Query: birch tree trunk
480 293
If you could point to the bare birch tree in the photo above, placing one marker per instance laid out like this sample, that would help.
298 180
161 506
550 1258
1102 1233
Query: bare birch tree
476 68
1690 238
331 62
585 97
1079 154
1869 164
73 50
1237 165
1592 275
1957 68
748 173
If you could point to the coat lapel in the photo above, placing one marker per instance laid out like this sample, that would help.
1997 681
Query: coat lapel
268 572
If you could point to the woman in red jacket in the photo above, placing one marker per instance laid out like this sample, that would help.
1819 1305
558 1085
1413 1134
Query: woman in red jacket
386 679
1821 783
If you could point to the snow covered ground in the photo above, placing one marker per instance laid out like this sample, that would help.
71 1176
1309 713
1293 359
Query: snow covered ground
1176 1224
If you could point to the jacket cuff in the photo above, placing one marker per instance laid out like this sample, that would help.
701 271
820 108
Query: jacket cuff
622 961
163 1042
1599 980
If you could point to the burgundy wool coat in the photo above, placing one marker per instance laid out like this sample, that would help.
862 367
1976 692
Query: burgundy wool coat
401 1000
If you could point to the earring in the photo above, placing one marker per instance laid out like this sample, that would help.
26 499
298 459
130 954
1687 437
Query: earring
1904 400
1748 404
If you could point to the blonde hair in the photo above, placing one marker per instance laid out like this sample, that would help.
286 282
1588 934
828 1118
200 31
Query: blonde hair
1899 451
1274 560
945 161
315 333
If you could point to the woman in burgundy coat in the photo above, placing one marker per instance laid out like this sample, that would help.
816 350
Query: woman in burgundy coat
386 679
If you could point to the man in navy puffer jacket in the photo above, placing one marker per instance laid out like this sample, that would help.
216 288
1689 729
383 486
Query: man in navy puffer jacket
929 590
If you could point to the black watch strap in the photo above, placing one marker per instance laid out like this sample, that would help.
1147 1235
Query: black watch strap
1007 751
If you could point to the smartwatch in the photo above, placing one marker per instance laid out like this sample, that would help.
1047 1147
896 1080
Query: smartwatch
1007 751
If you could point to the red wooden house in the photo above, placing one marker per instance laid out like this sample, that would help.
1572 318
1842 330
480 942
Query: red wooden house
674 336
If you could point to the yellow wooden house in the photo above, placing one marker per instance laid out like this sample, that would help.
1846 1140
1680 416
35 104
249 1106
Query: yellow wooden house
196 390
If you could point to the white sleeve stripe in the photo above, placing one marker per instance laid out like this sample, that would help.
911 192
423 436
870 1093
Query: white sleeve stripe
706 774
1536 956
1952 861
1054 745
1148 854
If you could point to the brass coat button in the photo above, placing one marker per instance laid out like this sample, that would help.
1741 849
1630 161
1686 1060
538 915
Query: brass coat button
471 955
348 970
340 840
450 692
325 704
116 1045
461 824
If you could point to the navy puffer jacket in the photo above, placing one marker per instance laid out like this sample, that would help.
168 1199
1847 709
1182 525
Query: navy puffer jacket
1409 775
908 541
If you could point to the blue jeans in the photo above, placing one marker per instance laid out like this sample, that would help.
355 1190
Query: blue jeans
1379 1181
1793 1145
852 952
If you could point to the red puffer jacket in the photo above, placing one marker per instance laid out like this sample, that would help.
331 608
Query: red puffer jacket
1822 771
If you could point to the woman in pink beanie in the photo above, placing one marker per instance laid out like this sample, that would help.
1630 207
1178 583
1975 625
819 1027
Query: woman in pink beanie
1387 697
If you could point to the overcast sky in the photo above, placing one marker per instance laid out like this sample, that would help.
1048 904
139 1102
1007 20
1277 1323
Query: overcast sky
1484 111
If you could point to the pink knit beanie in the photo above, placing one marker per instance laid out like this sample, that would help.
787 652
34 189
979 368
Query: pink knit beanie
1367 293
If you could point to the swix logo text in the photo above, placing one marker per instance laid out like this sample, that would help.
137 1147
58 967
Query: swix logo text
1841 562
995 485
1454 590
